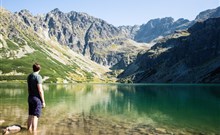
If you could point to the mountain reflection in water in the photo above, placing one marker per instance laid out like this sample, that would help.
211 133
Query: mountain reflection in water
193 107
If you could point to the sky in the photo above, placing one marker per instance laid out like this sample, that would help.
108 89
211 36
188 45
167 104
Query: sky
118 12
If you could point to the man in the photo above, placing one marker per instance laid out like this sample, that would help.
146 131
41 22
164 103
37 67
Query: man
35 97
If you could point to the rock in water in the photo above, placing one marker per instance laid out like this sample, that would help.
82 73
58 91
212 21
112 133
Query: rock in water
160 130
11 129
2 121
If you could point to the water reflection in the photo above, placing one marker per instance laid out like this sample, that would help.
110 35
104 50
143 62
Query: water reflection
180 106
70 99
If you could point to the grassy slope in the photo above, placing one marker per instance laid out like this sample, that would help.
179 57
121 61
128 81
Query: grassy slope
55 69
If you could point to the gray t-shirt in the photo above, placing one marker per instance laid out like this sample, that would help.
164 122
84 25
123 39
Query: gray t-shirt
32 80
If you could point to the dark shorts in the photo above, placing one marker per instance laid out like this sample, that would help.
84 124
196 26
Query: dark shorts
35 106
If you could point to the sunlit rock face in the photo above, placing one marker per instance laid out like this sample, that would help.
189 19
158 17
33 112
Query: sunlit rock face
84 34
160 27
192 57
77 38
210 13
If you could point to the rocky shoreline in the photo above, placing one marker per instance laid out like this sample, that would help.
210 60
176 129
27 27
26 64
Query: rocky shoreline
79 124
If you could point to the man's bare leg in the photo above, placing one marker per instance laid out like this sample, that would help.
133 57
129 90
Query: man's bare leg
29 122
34 123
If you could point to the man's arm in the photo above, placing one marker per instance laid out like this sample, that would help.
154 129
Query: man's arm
41 92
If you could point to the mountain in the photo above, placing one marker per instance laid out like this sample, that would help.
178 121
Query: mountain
77 47
23 41
129 31
160 27
193 56
93 37
210 13
84 34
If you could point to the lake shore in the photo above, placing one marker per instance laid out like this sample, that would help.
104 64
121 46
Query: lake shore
117 109
79 124
93 125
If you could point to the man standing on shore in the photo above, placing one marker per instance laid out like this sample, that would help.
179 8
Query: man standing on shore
35 97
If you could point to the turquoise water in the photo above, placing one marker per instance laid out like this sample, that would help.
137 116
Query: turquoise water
182 107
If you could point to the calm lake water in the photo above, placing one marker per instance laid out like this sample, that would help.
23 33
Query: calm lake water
176 108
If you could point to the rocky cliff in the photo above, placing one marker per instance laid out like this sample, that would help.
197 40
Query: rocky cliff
24 41
193 57
160 27
92 36
71 40
210 13
82 33
156 28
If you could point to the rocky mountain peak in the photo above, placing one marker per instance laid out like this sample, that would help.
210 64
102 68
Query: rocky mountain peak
211 13
100 41
181 21
55 11
181 58
159 27
25 12
165 20
158 21
129 31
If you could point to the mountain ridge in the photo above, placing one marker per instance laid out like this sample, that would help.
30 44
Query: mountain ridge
21 46
80 32
89 38
181 59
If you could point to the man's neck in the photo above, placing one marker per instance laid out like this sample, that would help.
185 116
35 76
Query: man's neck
36 72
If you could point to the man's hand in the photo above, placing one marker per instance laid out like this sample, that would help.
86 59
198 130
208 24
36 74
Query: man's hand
43 105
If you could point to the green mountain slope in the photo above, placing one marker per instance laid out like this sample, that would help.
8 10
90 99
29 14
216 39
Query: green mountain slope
20 47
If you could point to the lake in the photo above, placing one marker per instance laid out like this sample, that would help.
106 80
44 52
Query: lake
117 108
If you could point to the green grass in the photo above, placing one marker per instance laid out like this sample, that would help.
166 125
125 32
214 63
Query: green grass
13 77
55 70
50 67
11 45
24 65
1 41
89 76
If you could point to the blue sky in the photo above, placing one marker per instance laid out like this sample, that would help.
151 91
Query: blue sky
118 12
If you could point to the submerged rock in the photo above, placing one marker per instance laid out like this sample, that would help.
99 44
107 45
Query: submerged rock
160 130
11 129
92 124
2 121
